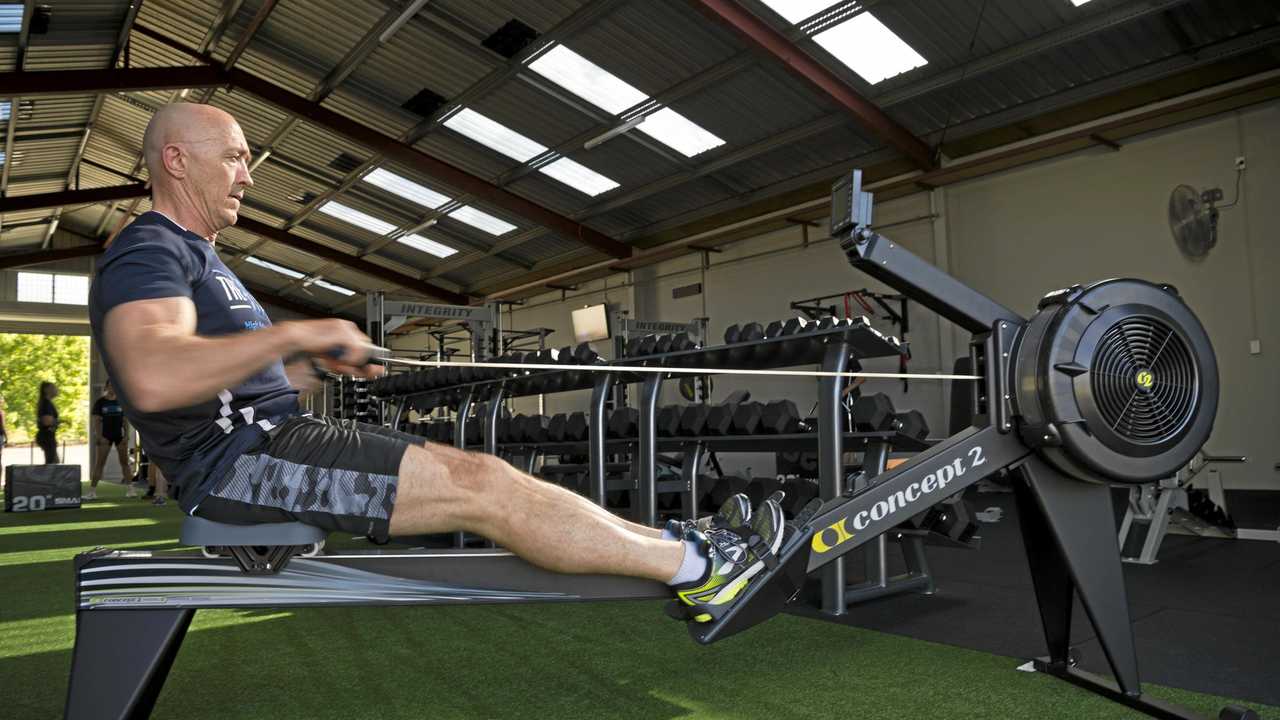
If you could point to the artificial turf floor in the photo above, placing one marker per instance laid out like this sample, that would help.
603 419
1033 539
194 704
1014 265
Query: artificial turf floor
602 660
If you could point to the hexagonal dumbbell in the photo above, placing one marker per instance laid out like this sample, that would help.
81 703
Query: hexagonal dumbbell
780 417
873 413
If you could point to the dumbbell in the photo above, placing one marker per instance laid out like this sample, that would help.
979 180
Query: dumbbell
799 491
874 413
502 430
736 334
445 433
912 424
724 488
556 426
780 417
762 487
747 418
668 420
624 423
643 345
535 429
719 420
663 344
693 419
576 427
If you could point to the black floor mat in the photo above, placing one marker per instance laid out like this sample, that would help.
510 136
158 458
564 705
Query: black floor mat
1206 616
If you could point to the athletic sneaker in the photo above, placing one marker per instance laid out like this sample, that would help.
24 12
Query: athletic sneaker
735 512
91 495
734 561
131 492
159 500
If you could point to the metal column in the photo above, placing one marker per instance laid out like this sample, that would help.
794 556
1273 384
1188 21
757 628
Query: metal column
831 459
647 450
596 448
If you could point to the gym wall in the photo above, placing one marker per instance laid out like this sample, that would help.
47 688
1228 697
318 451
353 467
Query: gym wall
1015 236
1022 233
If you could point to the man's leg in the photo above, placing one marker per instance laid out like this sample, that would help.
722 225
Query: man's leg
443 489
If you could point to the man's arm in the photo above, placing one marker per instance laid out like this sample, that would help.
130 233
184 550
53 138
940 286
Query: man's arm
97 425
165 365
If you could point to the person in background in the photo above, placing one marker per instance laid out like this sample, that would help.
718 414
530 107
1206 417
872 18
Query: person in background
4 440
109 427
47 422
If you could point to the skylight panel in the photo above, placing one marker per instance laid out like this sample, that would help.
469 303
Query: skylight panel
335 288
579 177
587 80
4 110
406 188
10 17
612 94
679 133
357 218
482 220
1078 3
427 245
499 137
494 135
796 10
869 48
274 267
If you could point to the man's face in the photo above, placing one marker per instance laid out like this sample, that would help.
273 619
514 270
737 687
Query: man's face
218 174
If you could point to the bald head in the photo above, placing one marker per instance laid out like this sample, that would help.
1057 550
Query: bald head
182 123
198 159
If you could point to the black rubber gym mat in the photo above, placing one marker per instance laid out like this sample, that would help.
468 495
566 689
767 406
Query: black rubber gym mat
1206 617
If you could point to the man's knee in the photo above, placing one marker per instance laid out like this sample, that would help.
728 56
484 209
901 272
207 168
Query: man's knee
454 472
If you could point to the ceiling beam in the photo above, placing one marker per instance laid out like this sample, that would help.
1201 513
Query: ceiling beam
263 294
867 114
24 33
86 196
36 257
84 82
351 262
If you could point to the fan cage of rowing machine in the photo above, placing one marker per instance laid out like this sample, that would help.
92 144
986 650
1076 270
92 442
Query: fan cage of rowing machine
1116 379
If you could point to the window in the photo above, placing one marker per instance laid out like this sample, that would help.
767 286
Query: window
503 139
71 289
427 245
274 267
426 197
796 10
863 43
612 94
406 188
53 288
35 287
869 48
357 218
10 17
335 288
4 110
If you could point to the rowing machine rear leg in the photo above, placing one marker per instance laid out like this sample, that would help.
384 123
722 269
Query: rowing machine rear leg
121 659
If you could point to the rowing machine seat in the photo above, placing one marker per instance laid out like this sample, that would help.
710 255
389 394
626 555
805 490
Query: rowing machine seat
202 532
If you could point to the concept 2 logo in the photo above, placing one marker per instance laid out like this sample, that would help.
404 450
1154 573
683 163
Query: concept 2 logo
843 530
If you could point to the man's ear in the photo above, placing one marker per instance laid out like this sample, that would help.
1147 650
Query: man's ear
175 161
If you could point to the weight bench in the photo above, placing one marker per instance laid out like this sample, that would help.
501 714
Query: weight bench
260 549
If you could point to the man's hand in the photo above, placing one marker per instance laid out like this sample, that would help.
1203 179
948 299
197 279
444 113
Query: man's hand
303 375
337 345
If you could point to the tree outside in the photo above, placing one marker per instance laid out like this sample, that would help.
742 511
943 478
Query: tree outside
26 361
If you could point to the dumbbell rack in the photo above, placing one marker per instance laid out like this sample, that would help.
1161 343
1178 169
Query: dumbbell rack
831 345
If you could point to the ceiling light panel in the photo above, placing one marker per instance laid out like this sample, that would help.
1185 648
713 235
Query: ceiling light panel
869 48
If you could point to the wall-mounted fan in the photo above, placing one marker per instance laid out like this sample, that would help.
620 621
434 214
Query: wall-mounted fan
1193 220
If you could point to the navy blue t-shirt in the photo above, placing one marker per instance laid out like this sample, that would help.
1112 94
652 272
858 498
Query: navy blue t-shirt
156 258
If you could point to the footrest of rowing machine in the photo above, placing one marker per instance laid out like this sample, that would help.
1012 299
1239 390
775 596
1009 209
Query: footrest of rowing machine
764 596
207 533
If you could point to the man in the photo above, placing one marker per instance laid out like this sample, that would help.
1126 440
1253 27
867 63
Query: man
199 368
110 428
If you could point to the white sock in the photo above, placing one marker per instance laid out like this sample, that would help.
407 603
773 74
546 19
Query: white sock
693 566
668 535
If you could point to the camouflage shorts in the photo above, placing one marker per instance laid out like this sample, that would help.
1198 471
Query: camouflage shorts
339 475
